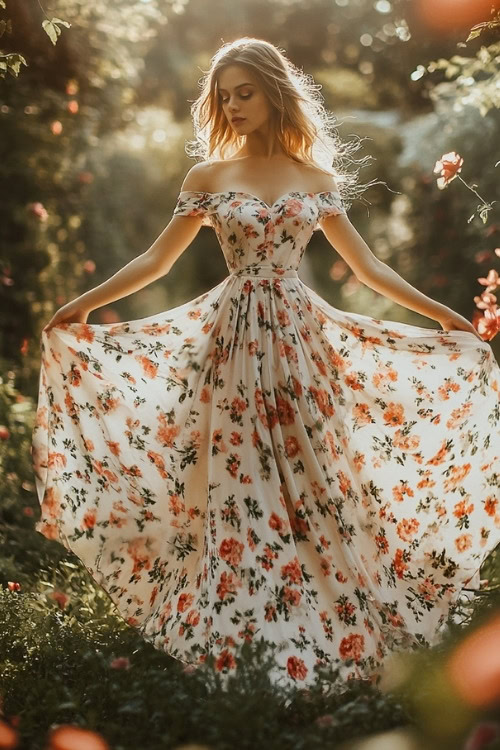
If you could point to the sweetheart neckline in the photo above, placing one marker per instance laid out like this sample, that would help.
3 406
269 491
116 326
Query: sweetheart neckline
251 195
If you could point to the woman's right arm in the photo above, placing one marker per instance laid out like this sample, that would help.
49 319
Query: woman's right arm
158 259
148 267
154 263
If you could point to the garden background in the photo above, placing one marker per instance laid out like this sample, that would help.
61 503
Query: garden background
94 118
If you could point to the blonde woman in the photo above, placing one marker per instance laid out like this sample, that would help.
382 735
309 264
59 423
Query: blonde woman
255 463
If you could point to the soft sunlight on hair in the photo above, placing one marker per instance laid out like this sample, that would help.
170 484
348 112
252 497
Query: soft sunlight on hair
304 128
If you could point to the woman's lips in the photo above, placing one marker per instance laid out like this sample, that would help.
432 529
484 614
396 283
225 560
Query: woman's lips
238 119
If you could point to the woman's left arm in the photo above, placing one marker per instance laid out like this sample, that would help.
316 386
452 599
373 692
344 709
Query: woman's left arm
383 279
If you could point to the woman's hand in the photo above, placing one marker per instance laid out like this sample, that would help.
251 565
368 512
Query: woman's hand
455 322
72 312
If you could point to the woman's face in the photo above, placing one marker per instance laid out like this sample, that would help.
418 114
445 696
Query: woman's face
241 96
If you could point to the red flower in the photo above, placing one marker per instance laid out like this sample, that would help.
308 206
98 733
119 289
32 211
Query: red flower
38 210
226 659
448 166
292 571
296 668
121 662
60 597
491 281
352 647
193 617
292 446
184 601
277 523
8 736
489 325
67 737
231 551
482 735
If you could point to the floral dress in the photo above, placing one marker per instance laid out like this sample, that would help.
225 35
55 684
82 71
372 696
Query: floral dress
256 463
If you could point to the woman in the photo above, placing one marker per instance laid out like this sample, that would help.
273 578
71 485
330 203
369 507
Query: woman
256 463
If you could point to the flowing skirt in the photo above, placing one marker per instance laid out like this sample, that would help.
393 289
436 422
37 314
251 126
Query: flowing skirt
256 463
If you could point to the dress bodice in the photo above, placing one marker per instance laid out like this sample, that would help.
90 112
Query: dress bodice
255 237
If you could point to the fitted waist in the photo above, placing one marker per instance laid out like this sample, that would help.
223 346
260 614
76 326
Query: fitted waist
266 271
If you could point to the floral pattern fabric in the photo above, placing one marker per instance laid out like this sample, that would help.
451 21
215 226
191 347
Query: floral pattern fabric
256 463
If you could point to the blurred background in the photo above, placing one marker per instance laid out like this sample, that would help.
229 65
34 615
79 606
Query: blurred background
94 117
95 127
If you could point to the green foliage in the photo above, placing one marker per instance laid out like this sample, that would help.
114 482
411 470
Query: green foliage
56 667
52 28
60 635
81 196
476 80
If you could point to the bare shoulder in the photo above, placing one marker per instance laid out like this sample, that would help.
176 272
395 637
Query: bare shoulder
322 181
198 177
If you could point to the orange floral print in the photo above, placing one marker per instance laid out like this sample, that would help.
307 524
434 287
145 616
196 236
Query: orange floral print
258 463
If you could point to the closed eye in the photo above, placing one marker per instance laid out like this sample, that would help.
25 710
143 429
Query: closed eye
247 96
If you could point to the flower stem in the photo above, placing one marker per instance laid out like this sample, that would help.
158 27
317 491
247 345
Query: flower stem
471 188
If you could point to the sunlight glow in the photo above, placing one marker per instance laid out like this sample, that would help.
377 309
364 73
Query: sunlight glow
383 6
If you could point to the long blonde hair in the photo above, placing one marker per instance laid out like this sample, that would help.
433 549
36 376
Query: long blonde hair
306 129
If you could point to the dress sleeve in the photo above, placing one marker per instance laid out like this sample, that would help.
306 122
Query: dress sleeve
329 204
194 203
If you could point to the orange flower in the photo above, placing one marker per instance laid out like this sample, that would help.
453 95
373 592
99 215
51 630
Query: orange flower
322 400
277 523
407 528
361 413
166 433
121 662
491 282
286 414
225 660
291 595
394 414
463 542
292 571
296 668
56 461
89 519
61 598
352 647
330 442
227 585
474 666
8 736
325 566
149 367
463 509
292 446
399 564
457 473
400 490
67 737
193 617
490 505
448 167
344 482
489 325
382 543
231 551
184 602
